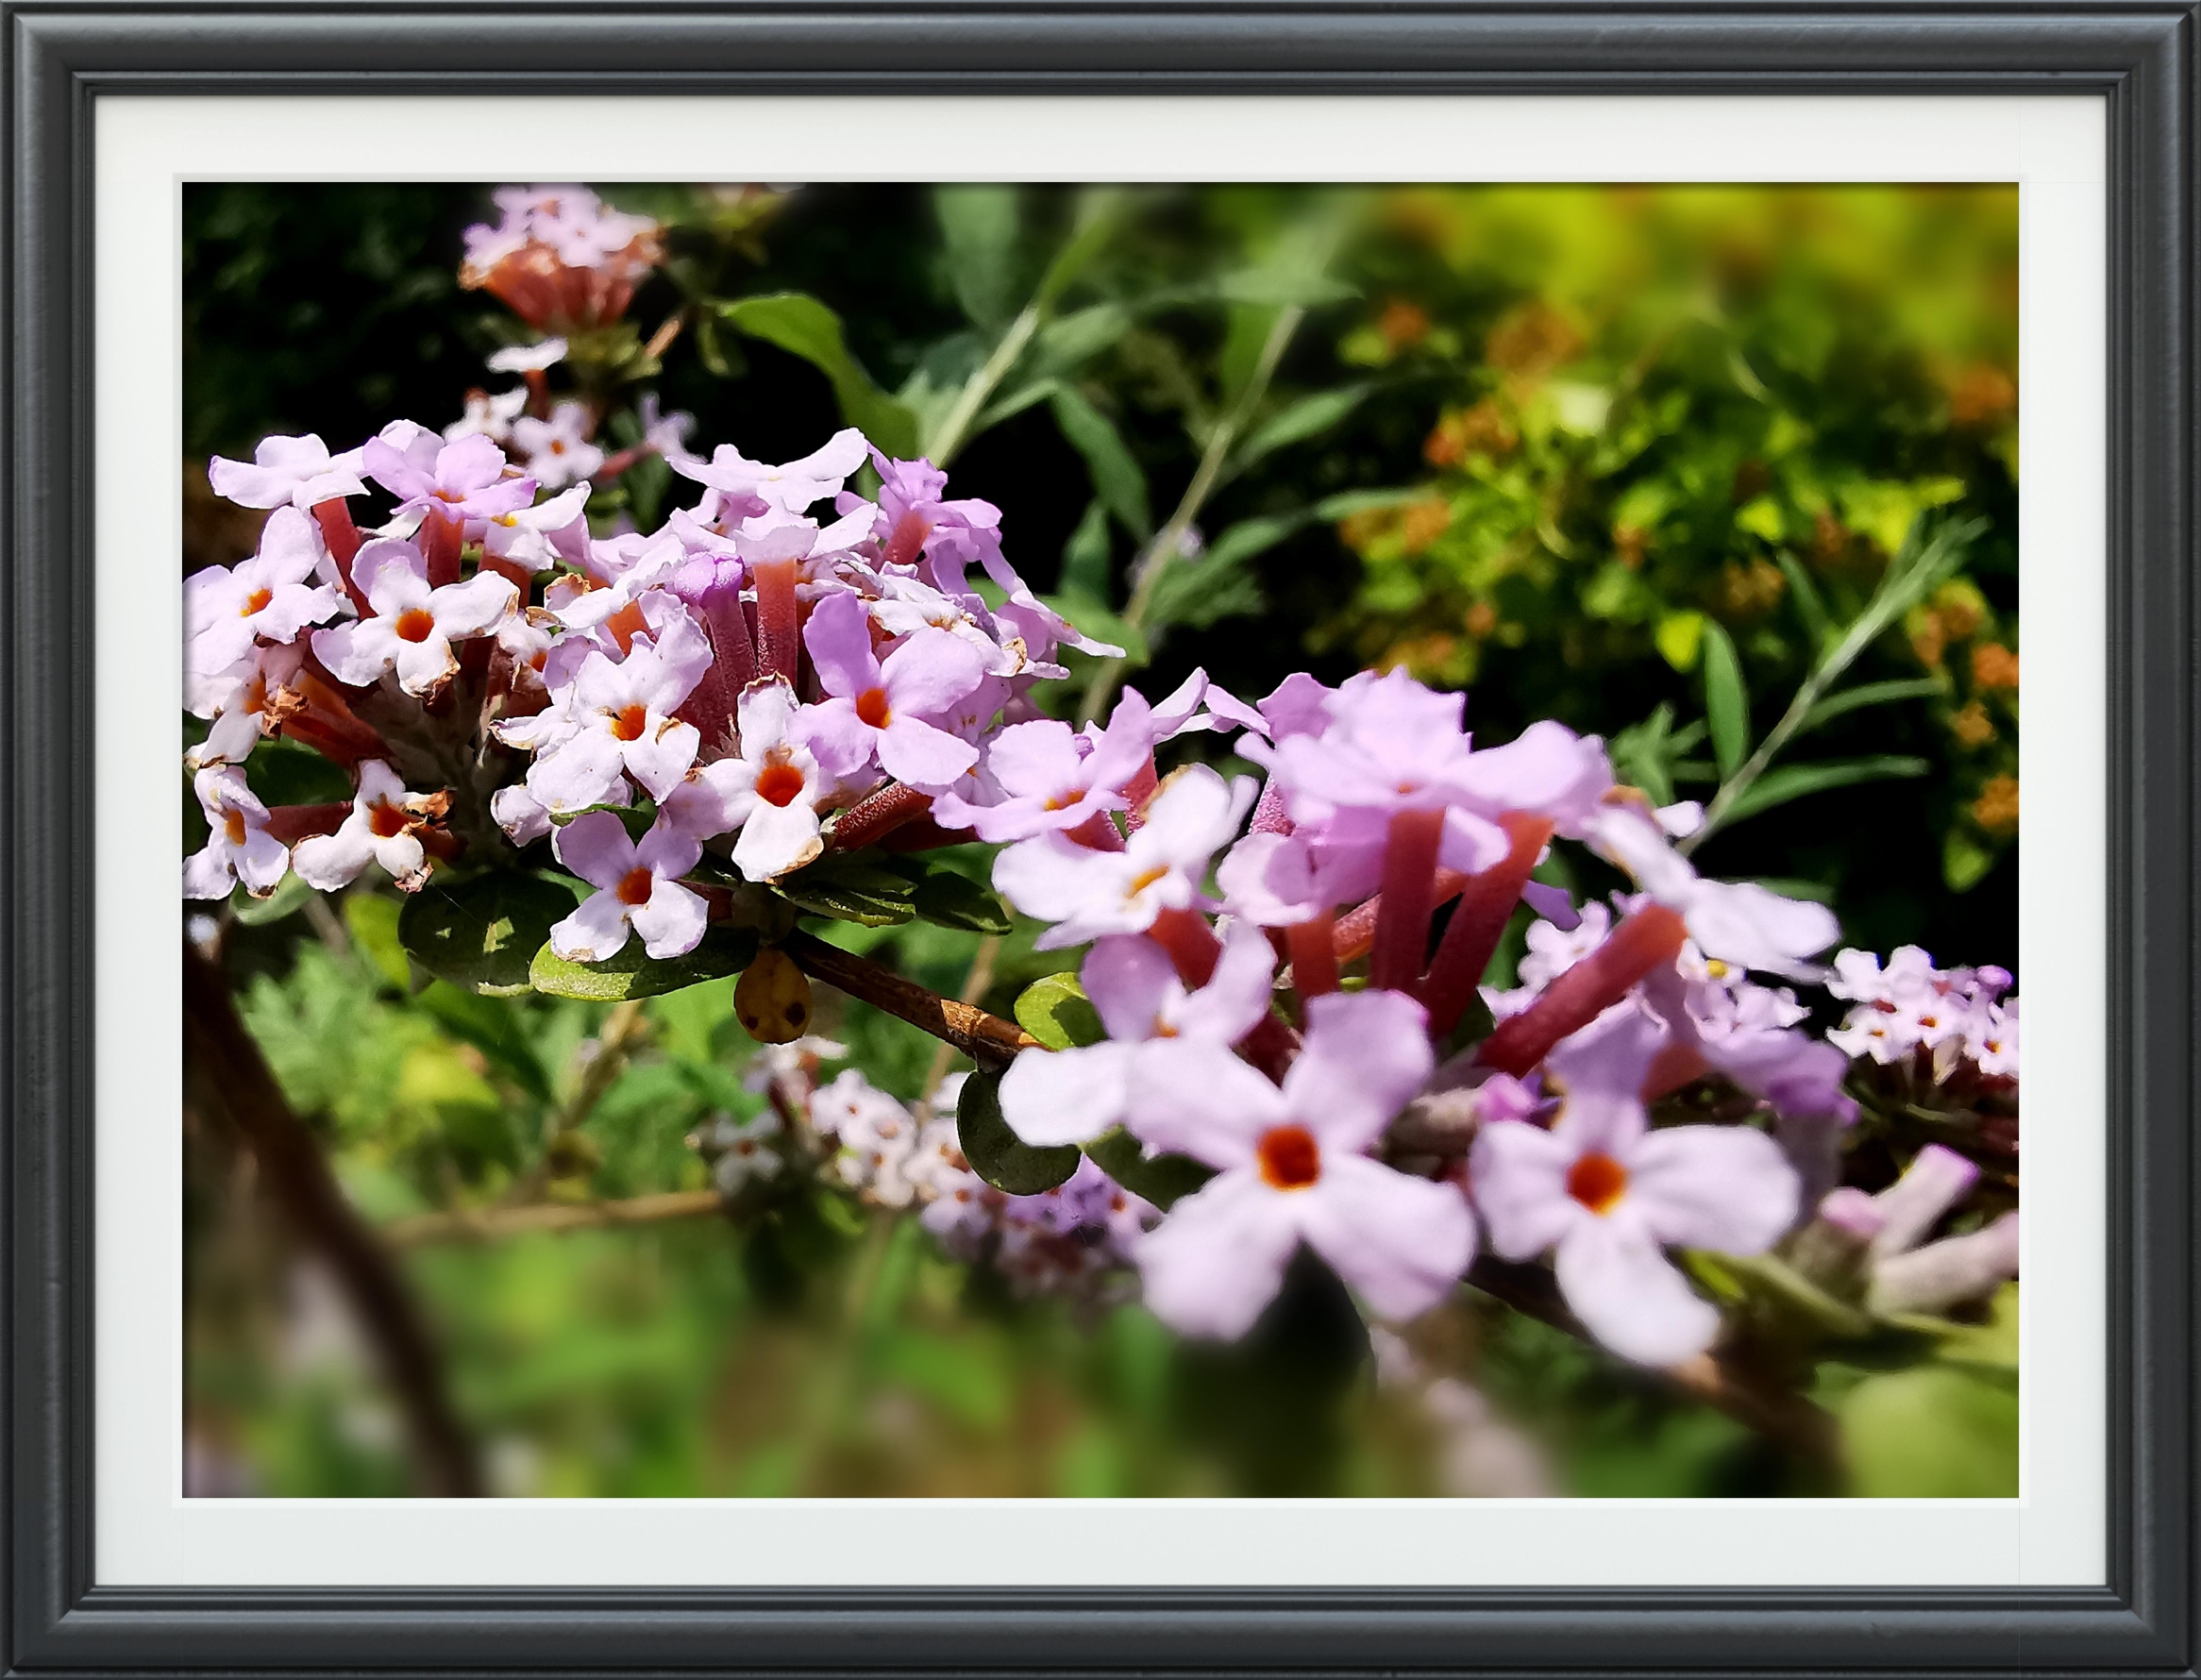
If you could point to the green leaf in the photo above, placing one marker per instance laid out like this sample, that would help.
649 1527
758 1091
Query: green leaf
1085 555
1118 479
1726 703
996 1154
638 819
1965 861
1792 782
631 972
1282 286
372 920
1678 638
799 323
482 932
851 889
978 229
1307 417
1938 1430
1099 209
1162 1180
1810 605
284 773
288 899
1869 694
951 899
491 1028
1056 1010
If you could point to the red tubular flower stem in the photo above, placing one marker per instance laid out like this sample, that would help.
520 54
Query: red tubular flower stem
1138 790
1314 957
907 537
731 641
1098 832
1478 922
440 540
779 620
1642 941
1269 815
1409 895
923 833
1356 930
870 819
343 539
1190 941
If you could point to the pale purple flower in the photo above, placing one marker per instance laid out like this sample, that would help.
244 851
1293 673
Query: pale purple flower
791 486
1605 1194
1293 1168
742 1150
1051 779
225 608
770 790
622 721
637 886
413 625
528 359
540 537
457 481
882 707
558 450
1992 1042
297 472
1737 921
238 847
1072 1096
381 829
237 699
488 415
1089 893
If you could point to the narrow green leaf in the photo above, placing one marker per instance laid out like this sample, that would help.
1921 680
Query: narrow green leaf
1792 782
1965 861
482 932
1085 556
1726 703
631 972
853 889
1056 1010
288 899
996 1154
1307 417
1099 212
1118 479
1281 287
1870 694
799 323
490 1027
1163 1179
1810 605
978 229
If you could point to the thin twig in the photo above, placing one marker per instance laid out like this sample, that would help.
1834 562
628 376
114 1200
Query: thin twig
987 1039
974 987
231 1077
623 1032
489 1223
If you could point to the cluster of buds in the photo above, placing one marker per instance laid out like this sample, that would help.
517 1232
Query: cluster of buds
561 258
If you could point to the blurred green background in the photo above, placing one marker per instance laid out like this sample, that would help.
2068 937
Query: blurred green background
1548 443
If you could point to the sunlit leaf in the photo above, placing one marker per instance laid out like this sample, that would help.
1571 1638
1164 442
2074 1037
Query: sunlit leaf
1056 1010
631 972
803 327
481 932
1726 702
1118 479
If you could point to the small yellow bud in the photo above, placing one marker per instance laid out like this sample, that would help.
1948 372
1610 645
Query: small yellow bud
772 1000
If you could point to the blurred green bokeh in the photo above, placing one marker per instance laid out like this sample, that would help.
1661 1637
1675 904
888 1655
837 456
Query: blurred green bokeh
1611 425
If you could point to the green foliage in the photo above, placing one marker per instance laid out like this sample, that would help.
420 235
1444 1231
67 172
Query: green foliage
631 972
807 329
996 1154
1056 1010
482 932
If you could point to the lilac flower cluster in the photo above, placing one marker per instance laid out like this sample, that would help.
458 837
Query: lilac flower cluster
1335 1123
790 666
560 258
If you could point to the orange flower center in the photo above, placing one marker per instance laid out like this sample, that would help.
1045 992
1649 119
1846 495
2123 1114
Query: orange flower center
386 820
255 602
1290 1156
779 784
1597 1181
233 826
415 624
628 722
872 708
635 887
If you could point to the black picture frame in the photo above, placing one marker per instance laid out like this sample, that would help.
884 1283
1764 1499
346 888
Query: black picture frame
2139 58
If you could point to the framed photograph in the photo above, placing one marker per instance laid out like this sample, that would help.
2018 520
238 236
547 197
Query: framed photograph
1052 837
